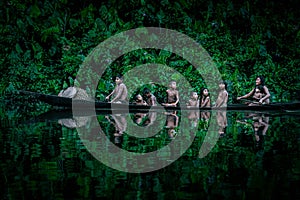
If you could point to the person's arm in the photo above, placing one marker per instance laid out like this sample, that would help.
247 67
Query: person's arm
206 101
225 98
188 103
266 96
177 98
246 96
110 94
153 100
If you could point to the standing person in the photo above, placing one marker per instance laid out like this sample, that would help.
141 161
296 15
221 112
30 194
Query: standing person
193 115
223 95
193 101
204 103
172 95
259 83
120 92
151 99
204 98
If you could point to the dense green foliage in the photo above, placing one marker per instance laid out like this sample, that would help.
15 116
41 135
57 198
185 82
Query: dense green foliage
43 43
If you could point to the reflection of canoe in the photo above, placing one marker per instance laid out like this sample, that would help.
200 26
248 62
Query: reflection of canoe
65 103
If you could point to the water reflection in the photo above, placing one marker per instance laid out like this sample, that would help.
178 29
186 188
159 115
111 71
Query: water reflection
222 122
75 122
172 123
46 159
194 116
120 123
259 122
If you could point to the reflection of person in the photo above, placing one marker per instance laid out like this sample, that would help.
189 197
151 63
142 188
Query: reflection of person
150 98
193 116
260 126
171 124
120 123
265 99
222 122
223 95
172 95
138 118
193 101
120 92
151 117
205 115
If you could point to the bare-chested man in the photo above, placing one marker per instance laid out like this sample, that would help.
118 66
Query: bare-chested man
172 95
120 92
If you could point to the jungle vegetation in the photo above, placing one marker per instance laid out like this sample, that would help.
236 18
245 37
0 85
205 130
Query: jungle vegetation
43 43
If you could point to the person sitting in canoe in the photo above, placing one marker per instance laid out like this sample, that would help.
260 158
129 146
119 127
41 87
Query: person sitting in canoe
258 93
139 100
223 95
193 101
172 95
254 93
150 98
120 92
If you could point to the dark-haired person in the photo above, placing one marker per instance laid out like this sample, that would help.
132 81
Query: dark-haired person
193 101
223 95
120 92
172 95
259 87
139 100
150 98
204 98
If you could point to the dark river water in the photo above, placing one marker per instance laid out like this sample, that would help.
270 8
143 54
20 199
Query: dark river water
155 155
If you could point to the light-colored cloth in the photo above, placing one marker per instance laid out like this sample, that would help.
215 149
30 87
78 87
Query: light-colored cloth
75 93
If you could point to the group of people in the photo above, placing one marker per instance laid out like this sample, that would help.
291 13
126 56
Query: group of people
259 94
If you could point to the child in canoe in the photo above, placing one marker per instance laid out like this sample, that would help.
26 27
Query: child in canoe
120 92
193 101
150 98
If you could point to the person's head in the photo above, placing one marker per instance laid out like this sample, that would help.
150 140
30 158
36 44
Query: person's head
172 84
147 92
222 85
119 79
138 97
204 92
259 89
194 95
260 80
172 133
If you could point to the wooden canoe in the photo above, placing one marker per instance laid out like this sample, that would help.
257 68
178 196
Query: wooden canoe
67 103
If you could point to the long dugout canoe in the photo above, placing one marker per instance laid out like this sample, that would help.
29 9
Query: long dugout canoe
68 103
